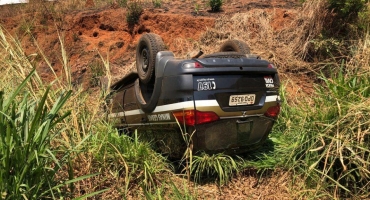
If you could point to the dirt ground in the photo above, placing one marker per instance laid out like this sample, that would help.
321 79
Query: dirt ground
92 34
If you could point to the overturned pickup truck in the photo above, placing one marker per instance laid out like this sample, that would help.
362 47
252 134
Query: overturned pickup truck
223 102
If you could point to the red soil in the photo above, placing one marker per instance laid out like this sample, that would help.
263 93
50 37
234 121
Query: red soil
94 34
90 34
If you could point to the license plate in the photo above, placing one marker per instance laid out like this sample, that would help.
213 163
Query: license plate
244 99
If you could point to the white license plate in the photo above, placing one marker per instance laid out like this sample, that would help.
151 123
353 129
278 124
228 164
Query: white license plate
244 99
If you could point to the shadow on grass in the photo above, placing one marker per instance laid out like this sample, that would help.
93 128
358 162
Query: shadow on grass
258 163
256 154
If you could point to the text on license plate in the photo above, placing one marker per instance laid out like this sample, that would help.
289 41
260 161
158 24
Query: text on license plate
244 99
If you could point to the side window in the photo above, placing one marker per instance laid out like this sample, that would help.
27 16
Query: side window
117 101
130 100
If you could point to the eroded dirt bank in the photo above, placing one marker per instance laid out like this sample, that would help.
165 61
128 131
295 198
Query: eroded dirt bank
95 34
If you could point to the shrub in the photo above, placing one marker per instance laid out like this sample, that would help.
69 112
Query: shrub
347 9
122 3
134 10
157 3
215 5
350 16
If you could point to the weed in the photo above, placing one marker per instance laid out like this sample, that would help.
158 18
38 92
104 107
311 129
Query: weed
218 165
196 8
97 71
29 164
122 3
347 9
138 161
325 47
26 27
36 131
134 11
157 3
215 5
176 192
329 147
324 143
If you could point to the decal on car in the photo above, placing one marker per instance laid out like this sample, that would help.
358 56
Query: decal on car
269 82
159 117
206 84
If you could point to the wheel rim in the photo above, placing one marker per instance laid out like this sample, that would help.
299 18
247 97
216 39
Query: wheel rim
145 59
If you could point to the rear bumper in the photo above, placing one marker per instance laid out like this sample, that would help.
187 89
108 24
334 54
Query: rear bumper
232 136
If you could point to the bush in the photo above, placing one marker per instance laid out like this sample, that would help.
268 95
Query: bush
134 10
157 3
347 9
122 3
350 15
215 5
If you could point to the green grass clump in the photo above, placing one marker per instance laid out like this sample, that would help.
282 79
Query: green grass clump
28 161
215 5
327 141
128 156
221 166
39 143
134 11
157 3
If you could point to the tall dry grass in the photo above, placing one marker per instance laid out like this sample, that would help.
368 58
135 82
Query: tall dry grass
324 140
287 47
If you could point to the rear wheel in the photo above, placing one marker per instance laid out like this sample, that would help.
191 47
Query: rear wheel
235 45
148 47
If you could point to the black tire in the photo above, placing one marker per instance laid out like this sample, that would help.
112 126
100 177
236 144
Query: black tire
235 45
147 101
147 48
231 54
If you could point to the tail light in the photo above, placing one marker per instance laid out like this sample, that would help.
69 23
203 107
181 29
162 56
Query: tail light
194 117
271 66
192 65
273 111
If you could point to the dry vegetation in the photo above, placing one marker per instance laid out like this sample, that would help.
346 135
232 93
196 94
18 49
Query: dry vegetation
320 143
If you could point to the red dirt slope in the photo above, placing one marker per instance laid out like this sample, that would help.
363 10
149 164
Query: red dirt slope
94 34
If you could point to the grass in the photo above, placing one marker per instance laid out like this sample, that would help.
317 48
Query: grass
134 11
326 142
70 149
57 145
29 163
221 166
